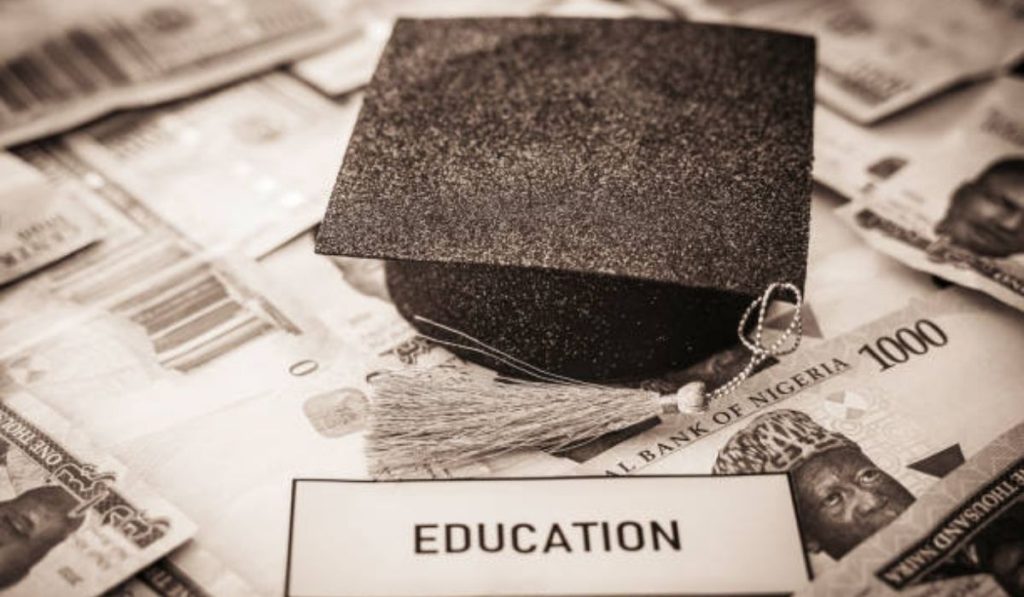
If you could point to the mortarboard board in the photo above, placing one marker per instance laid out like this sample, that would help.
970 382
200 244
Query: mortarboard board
598 198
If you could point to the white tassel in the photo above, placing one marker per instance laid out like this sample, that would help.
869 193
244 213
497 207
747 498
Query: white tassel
439 417
447 417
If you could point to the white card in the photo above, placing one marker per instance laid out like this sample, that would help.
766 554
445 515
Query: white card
556 536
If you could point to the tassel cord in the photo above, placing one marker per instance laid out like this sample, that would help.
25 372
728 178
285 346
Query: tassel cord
758 352
489 351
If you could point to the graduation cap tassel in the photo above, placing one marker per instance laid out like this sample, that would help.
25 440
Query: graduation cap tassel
445 418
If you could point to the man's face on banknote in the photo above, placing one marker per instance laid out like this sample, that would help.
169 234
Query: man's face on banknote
986 215
843 498
30 526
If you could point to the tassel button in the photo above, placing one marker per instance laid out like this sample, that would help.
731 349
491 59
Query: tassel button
688 400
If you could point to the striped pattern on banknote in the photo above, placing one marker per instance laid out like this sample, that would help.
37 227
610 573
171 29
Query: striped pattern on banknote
161 41
192 310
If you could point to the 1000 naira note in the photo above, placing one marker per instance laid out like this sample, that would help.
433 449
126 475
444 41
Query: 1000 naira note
73 521
863 422
965 536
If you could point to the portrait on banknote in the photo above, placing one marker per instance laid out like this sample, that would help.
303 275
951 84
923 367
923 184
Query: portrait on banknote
963 536
986 214
35 520
842 496
72 521
957 209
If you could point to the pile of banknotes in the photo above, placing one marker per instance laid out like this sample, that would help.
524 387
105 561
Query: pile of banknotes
173 353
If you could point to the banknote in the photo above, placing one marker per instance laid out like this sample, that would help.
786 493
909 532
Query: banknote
75 521
144 270
104 373
609 9
230 470
104 363
143 307
349 64
957 210
212 168
212 331
863 422
876 57
853 160
151 302
62 64
39 222
965 536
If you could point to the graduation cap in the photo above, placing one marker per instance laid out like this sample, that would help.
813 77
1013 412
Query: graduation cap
598 198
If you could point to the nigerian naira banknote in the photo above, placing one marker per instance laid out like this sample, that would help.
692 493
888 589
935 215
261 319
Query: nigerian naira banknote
73 521
861 422
853 160
957 210
212 167
964 536
62 64
877 57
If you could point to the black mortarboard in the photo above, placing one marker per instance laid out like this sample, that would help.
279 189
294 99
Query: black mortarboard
599 198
